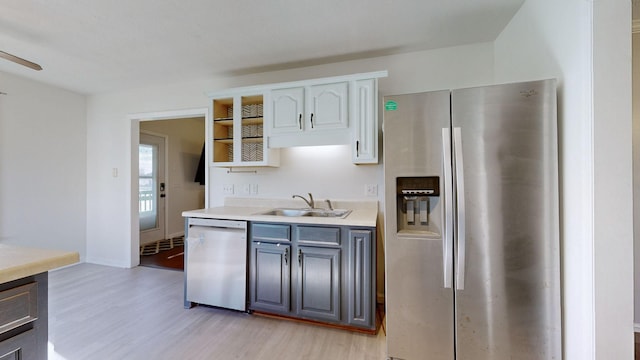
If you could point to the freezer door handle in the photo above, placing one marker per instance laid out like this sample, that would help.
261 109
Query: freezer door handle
447 238
460 236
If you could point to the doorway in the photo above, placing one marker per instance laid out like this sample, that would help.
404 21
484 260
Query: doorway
179 182
151 188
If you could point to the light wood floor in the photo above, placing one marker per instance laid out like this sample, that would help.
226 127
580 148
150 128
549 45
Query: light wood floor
98 312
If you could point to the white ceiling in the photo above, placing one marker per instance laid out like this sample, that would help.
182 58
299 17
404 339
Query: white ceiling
93 46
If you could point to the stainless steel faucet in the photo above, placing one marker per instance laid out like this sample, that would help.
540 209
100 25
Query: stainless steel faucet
329 204
309 202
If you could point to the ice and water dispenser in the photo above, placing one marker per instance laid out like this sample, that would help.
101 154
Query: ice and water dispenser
416 199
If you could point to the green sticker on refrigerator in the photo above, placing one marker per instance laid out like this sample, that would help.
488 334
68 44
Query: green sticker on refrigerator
391 105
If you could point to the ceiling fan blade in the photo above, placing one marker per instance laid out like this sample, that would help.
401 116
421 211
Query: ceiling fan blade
20 61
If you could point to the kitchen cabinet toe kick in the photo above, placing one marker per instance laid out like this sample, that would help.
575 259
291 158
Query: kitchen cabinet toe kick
367 331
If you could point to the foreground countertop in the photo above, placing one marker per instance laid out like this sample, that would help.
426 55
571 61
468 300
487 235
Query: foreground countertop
18 262
365 213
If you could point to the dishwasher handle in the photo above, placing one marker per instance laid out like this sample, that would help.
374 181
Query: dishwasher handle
229 224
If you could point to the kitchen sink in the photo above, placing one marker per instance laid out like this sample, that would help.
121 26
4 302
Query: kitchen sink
335 213
288 212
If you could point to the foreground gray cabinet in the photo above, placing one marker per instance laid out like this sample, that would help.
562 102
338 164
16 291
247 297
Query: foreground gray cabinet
24 318
314 272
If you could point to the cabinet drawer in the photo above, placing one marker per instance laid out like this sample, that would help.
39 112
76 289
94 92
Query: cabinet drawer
270 232
312 235
18 306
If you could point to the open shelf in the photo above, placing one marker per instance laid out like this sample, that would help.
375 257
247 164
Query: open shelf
239 129
223 122
254 140
223 130
258 120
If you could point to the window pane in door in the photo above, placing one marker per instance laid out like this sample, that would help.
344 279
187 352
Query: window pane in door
147 186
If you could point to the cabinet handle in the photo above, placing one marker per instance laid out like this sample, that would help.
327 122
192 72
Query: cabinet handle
286 256
299 257
300 121
357 148
312 120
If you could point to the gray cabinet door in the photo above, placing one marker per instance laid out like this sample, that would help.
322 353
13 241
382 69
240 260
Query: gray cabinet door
270 284
20 347
361 292
318 283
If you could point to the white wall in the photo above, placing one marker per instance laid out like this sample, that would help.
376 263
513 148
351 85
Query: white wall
613 209
109 132
636 174
42 166
586 45
325 171
185 139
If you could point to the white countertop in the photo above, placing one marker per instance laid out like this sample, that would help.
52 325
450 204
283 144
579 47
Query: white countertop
18 262
365 213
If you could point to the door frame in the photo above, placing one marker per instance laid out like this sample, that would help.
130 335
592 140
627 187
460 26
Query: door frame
132 177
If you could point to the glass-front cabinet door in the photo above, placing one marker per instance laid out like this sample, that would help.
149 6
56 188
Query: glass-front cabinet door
238 132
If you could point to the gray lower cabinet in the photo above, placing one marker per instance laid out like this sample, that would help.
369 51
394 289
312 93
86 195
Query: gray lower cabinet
318 285
360 279
270 283
270 268
321 273
19 347
24 318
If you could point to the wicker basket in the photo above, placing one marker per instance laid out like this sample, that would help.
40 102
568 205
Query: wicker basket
252 152
255 130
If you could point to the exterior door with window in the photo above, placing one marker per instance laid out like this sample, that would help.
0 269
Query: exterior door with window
151 188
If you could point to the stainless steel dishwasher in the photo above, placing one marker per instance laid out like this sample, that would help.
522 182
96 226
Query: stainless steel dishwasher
216 263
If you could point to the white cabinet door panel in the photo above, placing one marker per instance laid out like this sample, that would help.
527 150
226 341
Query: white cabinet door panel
365 122
288 109
327 106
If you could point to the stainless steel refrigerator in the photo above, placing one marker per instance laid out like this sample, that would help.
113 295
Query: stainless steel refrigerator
472 223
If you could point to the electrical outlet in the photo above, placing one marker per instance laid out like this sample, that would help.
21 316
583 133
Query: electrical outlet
227 189
371 190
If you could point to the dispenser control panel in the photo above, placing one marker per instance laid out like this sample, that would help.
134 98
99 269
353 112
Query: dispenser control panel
414 197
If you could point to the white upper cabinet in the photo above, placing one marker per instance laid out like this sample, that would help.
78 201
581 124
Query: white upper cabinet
365 122
313 109
237 131
341 110
327 106
287 109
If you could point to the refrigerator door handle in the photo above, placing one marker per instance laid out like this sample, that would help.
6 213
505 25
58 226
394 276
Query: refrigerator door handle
447 238
459 167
